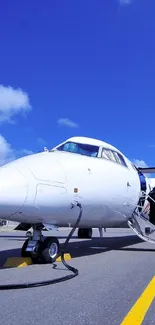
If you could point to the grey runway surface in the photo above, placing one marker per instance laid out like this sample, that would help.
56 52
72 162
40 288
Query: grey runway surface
113 273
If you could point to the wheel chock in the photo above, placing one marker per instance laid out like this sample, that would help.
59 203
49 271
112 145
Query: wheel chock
25 261
67 257
17 262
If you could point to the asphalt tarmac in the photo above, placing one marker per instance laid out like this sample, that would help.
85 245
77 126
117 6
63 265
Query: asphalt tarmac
113 274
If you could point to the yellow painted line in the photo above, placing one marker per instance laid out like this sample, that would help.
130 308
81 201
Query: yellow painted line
137 313
17 262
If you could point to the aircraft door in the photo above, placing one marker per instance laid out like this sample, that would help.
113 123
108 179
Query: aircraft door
143 188
142 181
133 189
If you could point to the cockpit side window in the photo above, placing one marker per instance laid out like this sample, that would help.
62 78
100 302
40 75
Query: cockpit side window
122 159
113 156
79 148
133 166
118 160
108 154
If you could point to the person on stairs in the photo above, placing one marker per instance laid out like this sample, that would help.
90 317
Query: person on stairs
151 200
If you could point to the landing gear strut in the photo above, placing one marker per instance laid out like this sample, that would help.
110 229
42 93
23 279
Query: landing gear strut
39 248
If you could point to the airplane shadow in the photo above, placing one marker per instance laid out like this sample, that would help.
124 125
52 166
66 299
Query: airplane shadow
89 247
12 236
100 245
4 255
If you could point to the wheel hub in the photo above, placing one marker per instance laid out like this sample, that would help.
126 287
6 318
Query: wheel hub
53 250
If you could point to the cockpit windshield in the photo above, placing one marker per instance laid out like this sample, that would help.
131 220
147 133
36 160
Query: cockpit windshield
79 148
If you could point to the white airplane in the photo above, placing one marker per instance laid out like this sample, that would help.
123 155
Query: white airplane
42 191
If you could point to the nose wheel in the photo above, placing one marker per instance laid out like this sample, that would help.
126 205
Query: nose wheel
44 250
49 249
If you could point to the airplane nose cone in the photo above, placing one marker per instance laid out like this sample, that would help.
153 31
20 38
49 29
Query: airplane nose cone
13 191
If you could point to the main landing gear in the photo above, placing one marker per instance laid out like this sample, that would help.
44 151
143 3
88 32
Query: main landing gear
39 248
85 233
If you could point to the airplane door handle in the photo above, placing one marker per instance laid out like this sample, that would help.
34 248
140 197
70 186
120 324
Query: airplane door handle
128 184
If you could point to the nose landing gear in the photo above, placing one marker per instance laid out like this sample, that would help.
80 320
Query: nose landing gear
40 249
50 249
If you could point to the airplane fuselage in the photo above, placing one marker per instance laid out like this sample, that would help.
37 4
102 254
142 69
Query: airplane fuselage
42 187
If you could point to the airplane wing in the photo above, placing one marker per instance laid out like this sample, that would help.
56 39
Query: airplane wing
147 170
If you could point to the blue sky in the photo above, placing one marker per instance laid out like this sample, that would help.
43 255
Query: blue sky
77 68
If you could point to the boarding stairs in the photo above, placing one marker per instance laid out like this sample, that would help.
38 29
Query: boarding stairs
140 224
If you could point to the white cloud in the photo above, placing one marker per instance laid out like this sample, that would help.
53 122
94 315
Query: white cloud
67 122
12 102
24 152
8 154
140 163
6 151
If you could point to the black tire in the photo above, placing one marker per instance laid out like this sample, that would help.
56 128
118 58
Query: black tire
80 233
89 232
46 255
85 233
